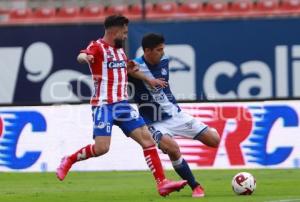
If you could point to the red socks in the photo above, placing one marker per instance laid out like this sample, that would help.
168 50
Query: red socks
150 153
83 153
154 163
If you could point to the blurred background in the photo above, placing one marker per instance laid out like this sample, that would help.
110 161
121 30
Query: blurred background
234 64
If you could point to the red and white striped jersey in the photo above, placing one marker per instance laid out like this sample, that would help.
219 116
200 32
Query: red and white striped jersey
109 73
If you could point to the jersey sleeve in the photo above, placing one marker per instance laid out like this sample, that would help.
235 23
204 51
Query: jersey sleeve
92 49
142 67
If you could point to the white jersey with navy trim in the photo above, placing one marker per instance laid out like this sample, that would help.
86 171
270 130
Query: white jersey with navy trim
154 104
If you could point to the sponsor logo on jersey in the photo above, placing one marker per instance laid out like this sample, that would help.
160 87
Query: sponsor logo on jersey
116 64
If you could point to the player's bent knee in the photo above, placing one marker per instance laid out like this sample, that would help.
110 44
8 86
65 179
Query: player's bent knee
174 151
100 150
215 137
142 136
210 137
169 146
146 144
146 139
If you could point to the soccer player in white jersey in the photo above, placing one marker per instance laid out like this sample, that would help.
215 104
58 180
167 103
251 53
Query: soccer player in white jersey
108 66
159 108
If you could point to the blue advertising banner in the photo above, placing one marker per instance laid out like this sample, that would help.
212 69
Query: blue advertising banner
209 59
229 59
38 63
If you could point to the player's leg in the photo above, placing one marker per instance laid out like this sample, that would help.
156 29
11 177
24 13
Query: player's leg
134 126
142 136
188 126
169 146
191 128
102 136
209 137
183 124
101 146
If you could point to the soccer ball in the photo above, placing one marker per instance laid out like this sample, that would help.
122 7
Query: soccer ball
243 183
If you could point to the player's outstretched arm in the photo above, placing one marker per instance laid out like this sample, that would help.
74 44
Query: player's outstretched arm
152 82
132 67
85 58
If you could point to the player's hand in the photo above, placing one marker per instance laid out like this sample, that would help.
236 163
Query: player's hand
132 67
90 59
84 58
159 82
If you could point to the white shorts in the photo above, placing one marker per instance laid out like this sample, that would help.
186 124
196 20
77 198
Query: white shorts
181 124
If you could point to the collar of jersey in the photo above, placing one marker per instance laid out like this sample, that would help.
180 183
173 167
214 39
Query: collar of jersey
104 42
148 64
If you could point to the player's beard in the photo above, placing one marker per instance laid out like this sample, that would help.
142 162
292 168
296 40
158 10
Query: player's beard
119 43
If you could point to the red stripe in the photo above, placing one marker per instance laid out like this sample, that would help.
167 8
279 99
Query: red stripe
126 77
98 78
110 76
116 54
124 56
119 85
96 69
95 99
125 86
110 83
119 95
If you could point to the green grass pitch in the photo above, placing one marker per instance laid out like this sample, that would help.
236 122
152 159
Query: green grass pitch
138 186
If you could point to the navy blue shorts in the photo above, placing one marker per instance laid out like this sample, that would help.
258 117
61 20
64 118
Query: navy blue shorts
120 114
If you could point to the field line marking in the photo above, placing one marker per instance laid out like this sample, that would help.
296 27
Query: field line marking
284 200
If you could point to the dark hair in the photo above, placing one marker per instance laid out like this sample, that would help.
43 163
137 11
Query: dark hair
115 21
152 40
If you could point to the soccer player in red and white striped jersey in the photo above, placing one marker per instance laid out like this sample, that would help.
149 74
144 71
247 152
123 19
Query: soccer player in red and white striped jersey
109 67
109 72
